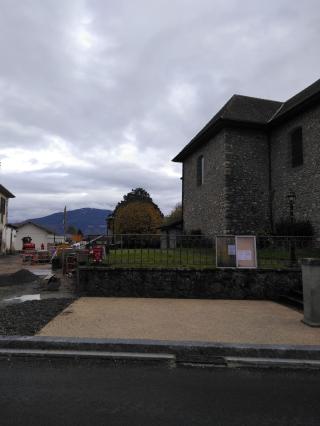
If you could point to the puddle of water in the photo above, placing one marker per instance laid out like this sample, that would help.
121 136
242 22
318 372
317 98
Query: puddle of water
27 297
23 298
39 272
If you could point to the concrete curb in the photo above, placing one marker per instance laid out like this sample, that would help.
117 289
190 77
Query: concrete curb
181 353
11 354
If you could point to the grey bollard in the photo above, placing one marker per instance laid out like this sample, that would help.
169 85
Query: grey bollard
311 291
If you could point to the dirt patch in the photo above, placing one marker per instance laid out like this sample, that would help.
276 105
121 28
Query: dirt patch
26 319
24 276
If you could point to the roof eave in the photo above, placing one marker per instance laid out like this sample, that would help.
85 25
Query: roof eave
302 106
10 225
222 123
29 222
6 193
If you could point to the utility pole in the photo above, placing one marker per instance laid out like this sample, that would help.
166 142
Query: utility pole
64 237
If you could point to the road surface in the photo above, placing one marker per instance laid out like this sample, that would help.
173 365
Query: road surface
77 393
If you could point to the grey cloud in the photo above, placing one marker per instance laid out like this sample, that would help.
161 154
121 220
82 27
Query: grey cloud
90 71
103 187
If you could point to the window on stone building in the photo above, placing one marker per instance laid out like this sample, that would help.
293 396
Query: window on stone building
200 170
2 209
296 147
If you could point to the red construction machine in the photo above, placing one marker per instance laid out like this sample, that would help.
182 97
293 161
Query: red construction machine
96 254
27 245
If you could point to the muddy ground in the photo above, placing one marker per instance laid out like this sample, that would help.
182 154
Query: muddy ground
13 263
25 304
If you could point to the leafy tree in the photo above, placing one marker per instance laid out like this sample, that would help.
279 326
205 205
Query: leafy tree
137 194
175 215
137 214
71 230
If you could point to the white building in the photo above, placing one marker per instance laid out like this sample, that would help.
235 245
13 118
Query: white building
39 235
10 238
4 198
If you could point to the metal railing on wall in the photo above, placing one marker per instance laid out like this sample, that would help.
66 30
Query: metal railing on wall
160 250
284 251
154 250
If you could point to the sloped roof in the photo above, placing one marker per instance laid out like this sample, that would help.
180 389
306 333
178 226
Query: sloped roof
248 109
251 112
9 225
310 94
239 109
5 192
29 222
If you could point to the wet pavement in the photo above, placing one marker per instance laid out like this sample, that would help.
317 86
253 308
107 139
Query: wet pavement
73 392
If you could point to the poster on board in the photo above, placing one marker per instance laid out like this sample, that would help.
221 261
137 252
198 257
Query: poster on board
226 252
246 252
236 251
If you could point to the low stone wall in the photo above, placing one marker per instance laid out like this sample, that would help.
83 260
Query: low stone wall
188 283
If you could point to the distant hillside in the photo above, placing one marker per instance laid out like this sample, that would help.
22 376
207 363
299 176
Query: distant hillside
90 221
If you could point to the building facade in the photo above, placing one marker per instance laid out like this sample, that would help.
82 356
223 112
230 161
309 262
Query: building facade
11 235
239 169
39 235
5 195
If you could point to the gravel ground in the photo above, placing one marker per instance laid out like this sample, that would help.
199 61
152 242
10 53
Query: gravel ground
26 319
23 276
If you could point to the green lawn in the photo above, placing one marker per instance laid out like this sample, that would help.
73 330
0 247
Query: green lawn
280 258
204 258
197 258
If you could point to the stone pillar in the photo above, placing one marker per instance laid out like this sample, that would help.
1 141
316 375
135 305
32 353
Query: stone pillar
311 291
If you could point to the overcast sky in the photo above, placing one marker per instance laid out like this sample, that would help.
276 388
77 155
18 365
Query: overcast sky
97 96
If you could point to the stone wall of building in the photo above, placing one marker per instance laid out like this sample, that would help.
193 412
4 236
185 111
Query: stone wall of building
247 181
258 284
304 180
235 196
204 206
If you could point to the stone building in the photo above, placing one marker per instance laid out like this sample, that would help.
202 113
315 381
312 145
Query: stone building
239 169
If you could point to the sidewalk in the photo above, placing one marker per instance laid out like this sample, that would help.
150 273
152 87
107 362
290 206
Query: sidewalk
220 321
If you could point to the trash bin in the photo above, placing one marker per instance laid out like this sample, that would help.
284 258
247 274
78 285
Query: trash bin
311 291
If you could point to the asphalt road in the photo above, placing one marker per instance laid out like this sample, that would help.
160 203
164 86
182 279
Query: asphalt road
80 394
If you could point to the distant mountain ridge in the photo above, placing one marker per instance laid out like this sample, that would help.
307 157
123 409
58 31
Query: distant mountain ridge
90 221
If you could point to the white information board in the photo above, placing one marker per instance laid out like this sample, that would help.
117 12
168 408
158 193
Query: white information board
236 251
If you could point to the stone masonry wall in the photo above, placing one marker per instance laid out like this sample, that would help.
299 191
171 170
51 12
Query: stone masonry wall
204 206
182 283
235 196
304 180
247 181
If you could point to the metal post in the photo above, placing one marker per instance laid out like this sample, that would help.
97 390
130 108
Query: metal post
291 197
